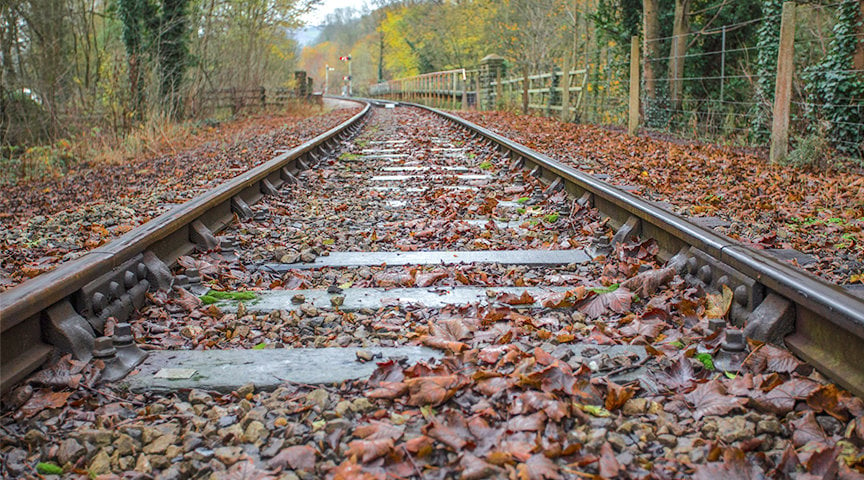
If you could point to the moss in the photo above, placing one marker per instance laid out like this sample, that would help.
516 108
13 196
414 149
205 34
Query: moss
214 296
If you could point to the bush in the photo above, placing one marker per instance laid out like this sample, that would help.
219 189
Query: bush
812 151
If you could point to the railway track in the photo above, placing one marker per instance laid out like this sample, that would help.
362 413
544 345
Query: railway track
349 250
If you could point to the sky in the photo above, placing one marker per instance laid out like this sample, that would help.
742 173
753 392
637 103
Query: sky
327 6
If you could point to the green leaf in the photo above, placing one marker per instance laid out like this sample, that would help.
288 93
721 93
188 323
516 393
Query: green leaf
522 200
602 290
594 410
260 346
428 412
48 469
328 241
553 217
730 375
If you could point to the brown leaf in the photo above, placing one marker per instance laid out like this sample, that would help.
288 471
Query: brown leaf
609 466
448 435
617 301
806 429
298 457
646 328
564 299
474 468
513 299
427 279
526 423
186 300
376 430
781 399
826 399
646 283
679 376
717 305
733 467
538 467
710 398
433 390
617 396
368 450
388 390
42 399
351 470
772 359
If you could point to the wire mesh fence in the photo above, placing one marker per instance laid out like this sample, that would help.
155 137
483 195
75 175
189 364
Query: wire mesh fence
714 84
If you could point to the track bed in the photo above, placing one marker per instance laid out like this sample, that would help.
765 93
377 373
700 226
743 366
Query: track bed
417 305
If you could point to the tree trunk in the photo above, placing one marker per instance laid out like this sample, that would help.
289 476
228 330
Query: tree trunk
858 59
678 50
651 47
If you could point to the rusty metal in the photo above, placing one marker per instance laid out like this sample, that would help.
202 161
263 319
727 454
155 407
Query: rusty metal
828 330
24 308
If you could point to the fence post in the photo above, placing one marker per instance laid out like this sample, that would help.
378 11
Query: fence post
633 120
525 81
565 90
783 87
464 90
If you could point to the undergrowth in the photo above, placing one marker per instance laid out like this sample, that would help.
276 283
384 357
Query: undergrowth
104 146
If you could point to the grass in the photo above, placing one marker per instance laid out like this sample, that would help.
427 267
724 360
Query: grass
486 165
349 156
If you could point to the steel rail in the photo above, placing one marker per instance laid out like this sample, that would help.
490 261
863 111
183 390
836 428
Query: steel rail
826 321
23 307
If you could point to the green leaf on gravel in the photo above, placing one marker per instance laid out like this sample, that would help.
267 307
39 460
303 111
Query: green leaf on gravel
328 241
553 217
522 200
48 469
486 165
260 346
594 410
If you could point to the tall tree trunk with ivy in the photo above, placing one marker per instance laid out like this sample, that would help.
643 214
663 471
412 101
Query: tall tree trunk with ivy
766 68
835 88
132 13
173 61
678 52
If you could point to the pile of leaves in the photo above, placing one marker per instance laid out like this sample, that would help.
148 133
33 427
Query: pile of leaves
769 206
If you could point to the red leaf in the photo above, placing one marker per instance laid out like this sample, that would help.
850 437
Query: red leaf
513 299
388 390
368 450
538 467
298 457
617 301
710 399
432 390
379 431
609 466
42 399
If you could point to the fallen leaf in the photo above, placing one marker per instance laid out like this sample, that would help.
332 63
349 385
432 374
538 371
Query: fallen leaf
710 398
42 399
368 450
298 457
617 301
513 299
717 305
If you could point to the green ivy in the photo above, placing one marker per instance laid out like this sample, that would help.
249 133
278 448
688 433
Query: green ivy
835 91
766 67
